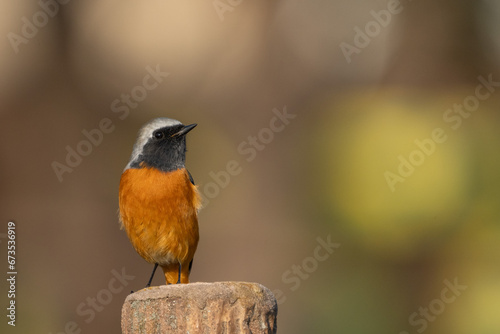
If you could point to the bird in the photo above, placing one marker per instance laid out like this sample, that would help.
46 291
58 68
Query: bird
159 201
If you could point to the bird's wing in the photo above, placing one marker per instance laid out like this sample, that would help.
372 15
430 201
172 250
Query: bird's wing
190 177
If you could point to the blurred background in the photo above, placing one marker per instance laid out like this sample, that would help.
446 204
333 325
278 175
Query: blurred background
390 150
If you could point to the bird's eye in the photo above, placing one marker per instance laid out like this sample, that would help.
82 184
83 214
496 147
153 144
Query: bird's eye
158 134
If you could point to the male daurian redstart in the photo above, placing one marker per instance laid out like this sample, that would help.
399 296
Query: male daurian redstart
158 200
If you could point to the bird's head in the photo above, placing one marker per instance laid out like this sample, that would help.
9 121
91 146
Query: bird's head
161 144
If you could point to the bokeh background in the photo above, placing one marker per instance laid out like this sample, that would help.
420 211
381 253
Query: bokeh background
357 115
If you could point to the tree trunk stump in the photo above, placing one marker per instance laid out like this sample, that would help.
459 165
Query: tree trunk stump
222 307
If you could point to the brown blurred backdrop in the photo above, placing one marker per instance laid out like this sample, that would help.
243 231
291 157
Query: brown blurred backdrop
390 150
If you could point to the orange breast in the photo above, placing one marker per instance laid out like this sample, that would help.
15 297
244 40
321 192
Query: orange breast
159 213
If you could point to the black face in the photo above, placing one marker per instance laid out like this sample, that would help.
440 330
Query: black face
165 150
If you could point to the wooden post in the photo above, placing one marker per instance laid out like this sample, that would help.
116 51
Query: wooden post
222 307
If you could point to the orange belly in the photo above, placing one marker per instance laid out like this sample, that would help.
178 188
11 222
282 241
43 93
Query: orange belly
159 213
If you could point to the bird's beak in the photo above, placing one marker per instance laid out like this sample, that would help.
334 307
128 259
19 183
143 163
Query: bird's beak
184 130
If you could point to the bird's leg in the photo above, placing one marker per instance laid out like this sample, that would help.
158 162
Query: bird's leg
179 277
190 266
152 275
